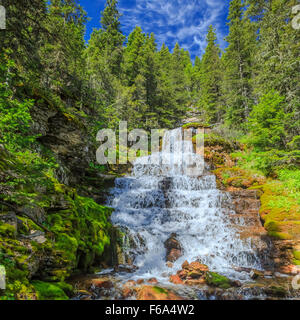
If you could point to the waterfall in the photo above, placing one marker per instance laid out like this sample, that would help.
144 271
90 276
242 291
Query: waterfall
159 199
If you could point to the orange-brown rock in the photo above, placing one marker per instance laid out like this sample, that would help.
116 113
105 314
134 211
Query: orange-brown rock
176 279
127 292
130 283
140 281
194 282
174 250
156 293
173 255
102 283
197 266
152 281
185 265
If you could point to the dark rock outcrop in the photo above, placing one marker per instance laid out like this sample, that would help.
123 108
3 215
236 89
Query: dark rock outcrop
174 249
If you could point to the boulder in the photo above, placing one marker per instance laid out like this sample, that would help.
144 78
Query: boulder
156 293
102 283
152 281
176 279
174 250
254 274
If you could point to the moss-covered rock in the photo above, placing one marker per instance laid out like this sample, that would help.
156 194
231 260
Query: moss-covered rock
196 125
49 291
217 280
73 230
238 178
280 211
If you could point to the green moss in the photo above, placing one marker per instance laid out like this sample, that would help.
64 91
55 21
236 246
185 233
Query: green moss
279 235
7 230
217 280
27 226
280 211
196 125
49 291
238 177
213 140
67 288
160 290
296 262
296 254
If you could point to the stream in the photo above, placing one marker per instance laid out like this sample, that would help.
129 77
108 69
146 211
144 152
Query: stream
165 197
158 200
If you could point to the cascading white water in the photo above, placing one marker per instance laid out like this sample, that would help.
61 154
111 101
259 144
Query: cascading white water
158 200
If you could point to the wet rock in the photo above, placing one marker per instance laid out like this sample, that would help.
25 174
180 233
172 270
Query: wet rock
127 293
130 283
174 250
176 279
152 281
198 267
156 293
169 264
125 268
195 282
268 273
217 280
254 274
276 291
128 289
102 283
235 283
182 273
174 255
37 236
140 281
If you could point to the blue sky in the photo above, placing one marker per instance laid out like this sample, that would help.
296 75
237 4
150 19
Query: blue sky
185 21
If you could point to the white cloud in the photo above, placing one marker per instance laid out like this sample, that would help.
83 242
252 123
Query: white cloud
185 21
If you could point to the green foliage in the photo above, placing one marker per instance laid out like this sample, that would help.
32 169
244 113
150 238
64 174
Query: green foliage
210 79
238 63
48 291
267 123
15 119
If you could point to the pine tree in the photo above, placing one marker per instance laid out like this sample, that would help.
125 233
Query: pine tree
238 61
277 63
210 79
104 55
133 55
63 55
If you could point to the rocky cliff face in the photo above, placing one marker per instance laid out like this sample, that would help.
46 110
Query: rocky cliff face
52 223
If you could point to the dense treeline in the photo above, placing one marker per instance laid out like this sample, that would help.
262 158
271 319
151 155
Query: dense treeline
57 91
252 88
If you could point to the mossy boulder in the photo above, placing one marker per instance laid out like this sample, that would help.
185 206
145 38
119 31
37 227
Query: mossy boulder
238 177
280 211
75 229
49 291
196 125
216 280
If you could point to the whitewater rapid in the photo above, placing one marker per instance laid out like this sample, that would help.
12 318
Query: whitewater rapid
159 199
